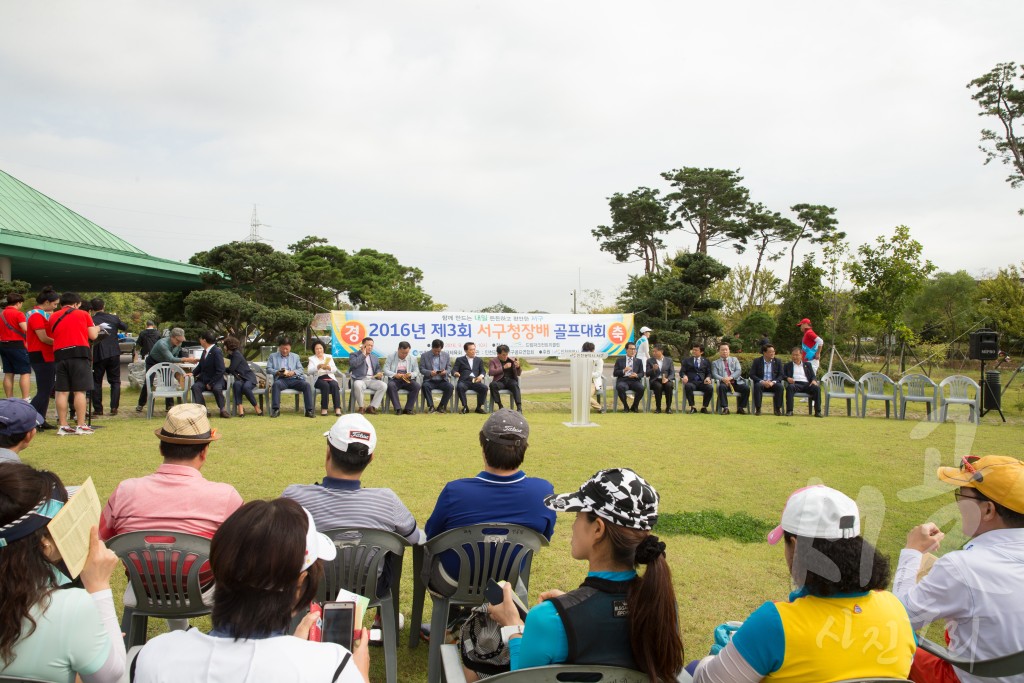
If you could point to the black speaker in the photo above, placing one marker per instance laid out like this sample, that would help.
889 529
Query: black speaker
984 345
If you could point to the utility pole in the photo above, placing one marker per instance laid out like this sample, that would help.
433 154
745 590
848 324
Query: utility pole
574 302
254 227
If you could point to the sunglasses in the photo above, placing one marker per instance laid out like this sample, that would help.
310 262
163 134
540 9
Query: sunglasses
960 496
967 465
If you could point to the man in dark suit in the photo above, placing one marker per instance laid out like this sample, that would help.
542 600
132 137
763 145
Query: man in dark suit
628 371
695 374
435 366
766 375
800 379
209 374
661 372
106 359
470 373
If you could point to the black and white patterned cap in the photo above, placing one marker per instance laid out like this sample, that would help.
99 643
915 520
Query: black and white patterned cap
620 496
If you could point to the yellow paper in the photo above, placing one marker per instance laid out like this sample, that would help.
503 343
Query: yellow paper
70 526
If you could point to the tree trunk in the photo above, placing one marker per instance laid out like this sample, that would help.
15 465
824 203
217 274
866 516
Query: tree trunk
753 279
792 260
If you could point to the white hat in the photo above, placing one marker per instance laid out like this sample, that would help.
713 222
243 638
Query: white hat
818 512
645 329
318 546
352 428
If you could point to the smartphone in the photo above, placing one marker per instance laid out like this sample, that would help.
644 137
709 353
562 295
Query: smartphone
339 623
494 591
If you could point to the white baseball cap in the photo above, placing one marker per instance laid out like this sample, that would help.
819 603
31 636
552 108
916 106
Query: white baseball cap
352 428
318 546
645 329
818 512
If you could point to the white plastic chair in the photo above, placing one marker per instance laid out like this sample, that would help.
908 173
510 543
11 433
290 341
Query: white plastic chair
960 388
919 389
872 387
834 385
163 382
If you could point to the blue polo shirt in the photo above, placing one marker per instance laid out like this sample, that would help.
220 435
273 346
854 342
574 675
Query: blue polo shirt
512 499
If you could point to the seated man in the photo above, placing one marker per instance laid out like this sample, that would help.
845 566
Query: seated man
176 497
505 372
285 370
628 370
18 424
166 350
976 591
470 373
695 374
366 376
500 493
729 374
435 367
800 379
402 374
340 500
766 375
661 372
209 374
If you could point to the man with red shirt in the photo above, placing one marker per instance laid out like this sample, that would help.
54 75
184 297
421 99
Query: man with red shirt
71 330
12 346
811 344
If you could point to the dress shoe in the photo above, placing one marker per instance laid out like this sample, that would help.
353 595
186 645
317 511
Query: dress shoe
430 410
705 411
634 410
97 410
789 413
657 411
46 426
693 410
741 411
225 414
442 410
480 409
408 411
464 411
360 410
310 413
371 411
778 411
669 411
756 411
275 412
138 409
817 415
725 411
113 411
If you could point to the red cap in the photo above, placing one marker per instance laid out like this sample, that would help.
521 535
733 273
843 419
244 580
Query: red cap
805 321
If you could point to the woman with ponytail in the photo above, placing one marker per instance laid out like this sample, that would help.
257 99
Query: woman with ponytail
617 617
40 351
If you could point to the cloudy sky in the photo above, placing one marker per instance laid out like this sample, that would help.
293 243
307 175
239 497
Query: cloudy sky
479 141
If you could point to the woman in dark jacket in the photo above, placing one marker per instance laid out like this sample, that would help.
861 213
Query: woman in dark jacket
245 378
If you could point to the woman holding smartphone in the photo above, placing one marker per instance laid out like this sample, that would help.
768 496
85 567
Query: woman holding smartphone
326 383
617 617
266 557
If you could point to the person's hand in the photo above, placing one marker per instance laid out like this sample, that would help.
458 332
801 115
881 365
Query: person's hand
506 365
925 538
814 383
548 594
99 564
707 380
302 630
506 613
361 654
790 380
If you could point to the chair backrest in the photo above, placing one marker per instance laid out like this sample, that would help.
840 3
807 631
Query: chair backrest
918 386
166 375
835 382
997 667
560 673
487 551
22 679
875 383
960 387
360 560
163 569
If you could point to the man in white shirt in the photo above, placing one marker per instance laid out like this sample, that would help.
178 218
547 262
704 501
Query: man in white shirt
800 379
403 374
977 591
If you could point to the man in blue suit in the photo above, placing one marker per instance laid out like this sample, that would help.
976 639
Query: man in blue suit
469 370
766 375
628 371
435 366
209 374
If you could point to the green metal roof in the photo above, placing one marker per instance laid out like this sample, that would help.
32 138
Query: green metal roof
49 243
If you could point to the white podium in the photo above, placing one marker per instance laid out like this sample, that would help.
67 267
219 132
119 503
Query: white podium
581 364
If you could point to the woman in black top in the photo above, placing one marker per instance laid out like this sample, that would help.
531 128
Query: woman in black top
245 378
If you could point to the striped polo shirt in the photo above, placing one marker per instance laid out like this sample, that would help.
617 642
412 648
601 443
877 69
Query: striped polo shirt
342 502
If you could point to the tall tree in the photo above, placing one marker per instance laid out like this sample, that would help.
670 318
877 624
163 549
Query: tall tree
997 96
945 308
710 203
378 282
768 228
1001 301
323 275
887 277
817 224
500 307
637 221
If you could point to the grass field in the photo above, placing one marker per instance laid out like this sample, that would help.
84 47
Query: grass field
723 480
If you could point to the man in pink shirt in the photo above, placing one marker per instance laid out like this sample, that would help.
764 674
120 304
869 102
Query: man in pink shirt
176 497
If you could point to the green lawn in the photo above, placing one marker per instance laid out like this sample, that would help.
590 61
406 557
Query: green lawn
722 480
